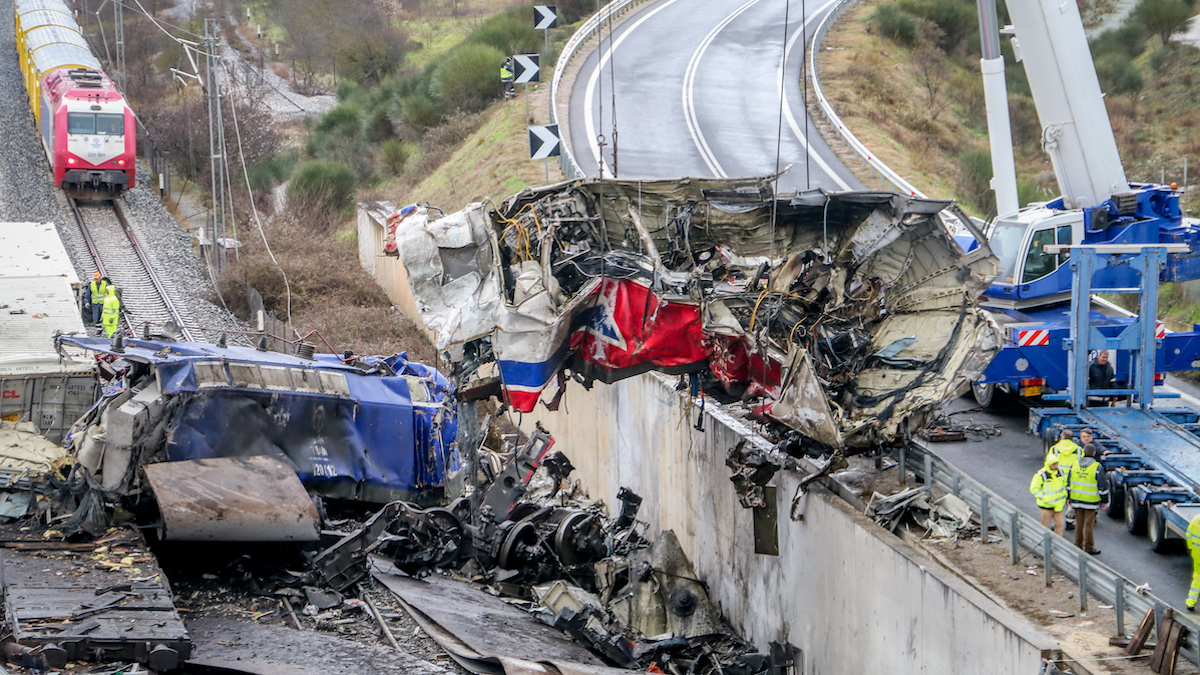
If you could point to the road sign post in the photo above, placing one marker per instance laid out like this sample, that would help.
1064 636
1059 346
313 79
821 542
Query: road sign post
526 70
545 17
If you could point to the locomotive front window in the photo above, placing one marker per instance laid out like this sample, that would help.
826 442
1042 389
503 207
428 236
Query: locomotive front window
99 123
81 123
110 125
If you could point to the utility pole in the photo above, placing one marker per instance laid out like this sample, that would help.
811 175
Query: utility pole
216 140
119 31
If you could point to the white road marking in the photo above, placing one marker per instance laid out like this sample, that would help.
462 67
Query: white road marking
787 108
590 91
689 86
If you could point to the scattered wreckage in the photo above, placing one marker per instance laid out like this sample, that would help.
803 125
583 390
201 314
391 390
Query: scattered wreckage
851 315
634 604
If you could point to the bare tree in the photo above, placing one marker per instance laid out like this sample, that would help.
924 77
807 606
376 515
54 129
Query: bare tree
933 74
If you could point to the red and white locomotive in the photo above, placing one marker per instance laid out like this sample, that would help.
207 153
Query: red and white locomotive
88 131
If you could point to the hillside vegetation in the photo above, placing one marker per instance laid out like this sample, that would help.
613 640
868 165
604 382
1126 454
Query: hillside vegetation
904 75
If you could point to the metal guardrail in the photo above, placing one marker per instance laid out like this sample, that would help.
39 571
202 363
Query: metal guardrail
865 156
1058 554
570 167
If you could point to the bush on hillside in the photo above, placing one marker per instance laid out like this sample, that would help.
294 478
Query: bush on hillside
955 18
895 24
510 32
1163 17
394 154
1128 40
323 189
975 176
1118 75
468 78
418 111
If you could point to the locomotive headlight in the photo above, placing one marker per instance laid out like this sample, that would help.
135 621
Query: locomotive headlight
120 162
70 160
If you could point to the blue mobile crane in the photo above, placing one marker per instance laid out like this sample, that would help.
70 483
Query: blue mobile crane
1030 296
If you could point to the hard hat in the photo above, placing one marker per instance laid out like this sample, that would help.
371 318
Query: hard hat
95 275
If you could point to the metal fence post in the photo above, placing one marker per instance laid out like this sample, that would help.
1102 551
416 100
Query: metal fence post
1046 555
1083 563
983 515
1014 536
1119 605
1158 617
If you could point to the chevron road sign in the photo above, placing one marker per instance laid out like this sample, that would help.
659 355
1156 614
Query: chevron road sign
525 68
545 17
543 142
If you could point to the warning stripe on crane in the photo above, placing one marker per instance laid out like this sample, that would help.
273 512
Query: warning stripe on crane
1160 331
1033 338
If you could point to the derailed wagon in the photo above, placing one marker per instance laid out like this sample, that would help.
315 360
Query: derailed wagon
232 442
849 315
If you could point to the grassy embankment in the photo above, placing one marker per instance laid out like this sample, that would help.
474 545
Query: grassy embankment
443 151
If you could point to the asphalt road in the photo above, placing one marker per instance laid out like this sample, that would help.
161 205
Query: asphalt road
1006 464
695 90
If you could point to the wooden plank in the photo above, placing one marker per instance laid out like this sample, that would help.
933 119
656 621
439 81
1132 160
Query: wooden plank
1160 651
1141 634
1174 642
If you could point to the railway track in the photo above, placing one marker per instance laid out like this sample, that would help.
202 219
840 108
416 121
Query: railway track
116 253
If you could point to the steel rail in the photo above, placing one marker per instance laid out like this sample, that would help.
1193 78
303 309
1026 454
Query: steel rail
147 270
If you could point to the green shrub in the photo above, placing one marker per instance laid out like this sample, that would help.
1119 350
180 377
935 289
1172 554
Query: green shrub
343 120
1128 40
975 175
510 32
468 77
264 176
323 189
377 127
418 111
955 18
1163 17
1158 59
348 89
394 155
1118 75
895 24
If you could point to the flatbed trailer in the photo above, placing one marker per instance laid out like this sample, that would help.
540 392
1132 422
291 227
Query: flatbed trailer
1152 459
1151 454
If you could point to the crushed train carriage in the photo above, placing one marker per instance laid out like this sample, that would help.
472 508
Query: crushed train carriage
850 313
232 440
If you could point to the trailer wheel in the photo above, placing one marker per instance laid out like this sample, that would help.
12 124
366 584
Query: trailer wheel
984 393
1156 530
1116 499
1135 513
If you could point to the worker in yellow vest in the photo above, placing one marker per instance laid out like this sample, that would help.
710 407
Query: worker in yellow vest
1067 450
111 316
1193 544
1087 486
1049 488
96 292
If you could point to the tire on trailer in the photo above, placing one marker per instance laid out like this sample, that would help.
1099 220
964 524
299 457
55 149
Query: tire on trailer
985 394
1156 530
1116 499
1135 513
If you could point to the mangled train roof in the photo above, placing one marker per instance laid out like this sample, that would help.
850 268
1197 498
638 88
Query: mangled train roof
848 312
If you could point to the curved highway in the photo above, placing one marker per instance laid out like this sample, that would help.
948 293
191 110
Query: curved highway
695 87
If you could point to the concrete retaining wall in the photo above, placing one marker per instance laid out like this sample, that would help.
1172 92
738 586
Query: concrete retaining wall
852 596
391 275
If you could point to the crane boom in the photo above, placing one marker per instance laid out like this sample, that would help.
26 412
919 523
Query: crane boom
1076 132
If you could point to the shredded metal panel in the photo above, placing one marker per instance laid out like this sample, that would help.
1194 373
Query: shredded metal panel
232 499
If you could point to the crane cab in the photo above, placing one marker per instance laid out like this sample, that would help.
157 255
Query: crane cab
1028 275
